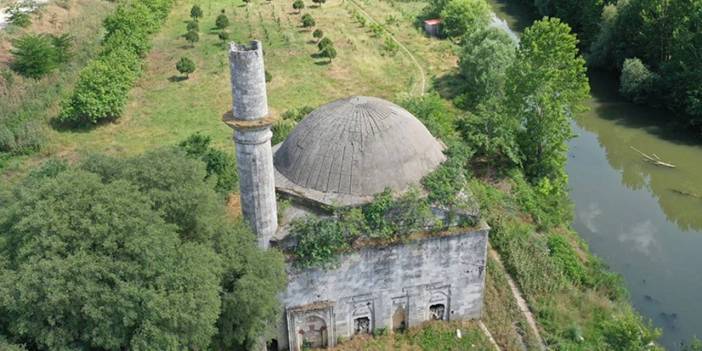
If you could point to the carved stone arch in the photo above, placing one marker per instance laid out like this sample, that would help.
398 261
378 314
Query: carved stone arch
439 304
362 318
400 313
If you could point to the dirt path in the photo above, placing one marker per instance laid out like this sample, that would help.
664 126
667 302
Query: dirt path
422 74
523 307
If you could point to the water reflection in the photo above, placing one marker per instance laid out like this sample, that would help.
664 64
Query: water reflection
620 126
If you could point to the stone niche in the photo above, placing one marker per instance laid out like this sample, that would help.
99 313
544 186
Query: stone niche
311 326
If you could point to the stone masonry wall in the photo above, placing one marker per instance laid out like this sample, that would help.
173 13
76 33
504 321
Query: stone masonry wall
389 287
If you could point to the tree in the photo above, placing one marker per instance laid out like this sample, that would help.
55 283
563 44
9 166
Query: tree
319 2
328 52
193 25
196 12
220 165
318 34
62 47
298 5
465 16
308 21
18 16
546 85
223 36
192 37
324 43
99 257
33 55
483 61
209 281
222 21
185 66
636 81
102 88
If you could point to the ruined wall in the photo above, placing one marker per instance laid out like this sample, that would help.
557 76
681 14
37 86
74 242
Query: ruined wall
391 287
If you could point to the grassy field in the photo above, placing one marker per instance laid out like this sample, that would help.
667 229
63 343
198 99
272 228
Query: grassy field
163 110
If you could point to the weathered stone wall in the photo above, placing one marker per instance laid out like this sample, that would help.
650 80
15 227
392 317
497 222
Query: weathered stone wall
392 287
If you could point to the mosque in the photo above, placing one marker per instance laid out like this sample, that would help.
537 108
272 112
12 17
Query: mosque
342 154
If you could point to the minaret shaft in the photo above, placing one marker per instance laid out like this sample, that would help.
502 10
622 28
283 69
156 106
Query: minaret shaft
252 135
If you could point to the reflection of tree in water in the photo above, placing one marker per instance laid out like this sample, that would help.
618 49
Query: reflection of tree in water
621 125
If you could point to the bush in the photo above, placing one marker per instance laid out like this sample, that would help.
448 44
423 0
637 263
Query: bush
547 201
318 34
297 114
34 55
308 20
625 333
431 109
185 66
17 17
193 25
636 81
268 76
102 89
222 21
196 11
325 42
566 257
192 37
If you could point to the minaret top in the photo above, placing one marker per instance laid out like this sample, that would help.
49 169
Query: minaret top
248 82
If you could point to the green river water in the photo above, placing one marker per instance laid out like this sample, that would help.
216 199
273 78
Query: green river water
644 220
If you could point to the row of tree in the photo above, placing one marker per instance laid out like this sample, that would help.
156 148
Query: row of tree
103 85
655 44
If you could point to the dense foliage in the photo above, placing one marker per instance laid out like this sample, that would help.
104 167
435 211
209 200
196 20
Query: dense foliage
464 16
130 254
35 55
666 36
103 85
219 165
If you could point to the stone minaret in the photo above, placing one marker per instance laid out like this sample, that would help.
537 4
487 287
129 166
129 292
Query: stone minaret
252 135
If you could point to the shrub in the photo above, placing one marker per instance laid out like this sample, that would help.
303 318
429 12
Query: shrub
62 47
17 16
297 114
102 88
281 128
328 52
192 37
298 5
628 332
223 36
319 241
308 20
636 81
33 55
193 25
566 257
431 109
377 29
222 21
546 201
196 11
268 76
325 42
185 66
492 132
390 46
318 34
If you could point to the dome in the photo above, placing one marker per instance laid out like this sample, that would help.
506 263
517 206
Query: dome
348 150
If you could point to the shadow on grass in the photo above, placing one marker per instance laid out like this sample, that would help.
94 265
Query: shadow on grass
79 126
322 62
176 79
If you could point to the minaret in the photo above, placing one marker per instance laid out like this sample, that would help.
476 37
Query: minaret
252 136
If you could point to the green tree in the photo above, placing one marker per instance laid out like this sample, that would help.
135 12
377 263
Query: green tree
319 2
185 66
102 88
196 12
17 16
308 20
465 16
483 61
328 52
62 47
192 37
33 55
546 85
318 34
219 165
636 81
193 25
222 21
324 43
99 257
298 5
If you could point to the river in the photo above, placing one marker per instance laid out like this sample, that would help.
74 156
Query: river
643 220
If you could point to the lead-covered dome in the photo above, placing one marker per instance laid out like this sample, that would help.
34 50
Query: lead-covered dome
348 150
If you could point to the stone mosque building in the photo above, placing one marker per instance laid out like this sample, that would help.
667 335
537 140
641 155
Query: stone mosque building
342 154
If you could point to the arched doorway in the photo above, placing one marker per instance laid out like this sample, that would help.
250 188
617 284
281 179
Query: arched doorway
313 333
399 319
